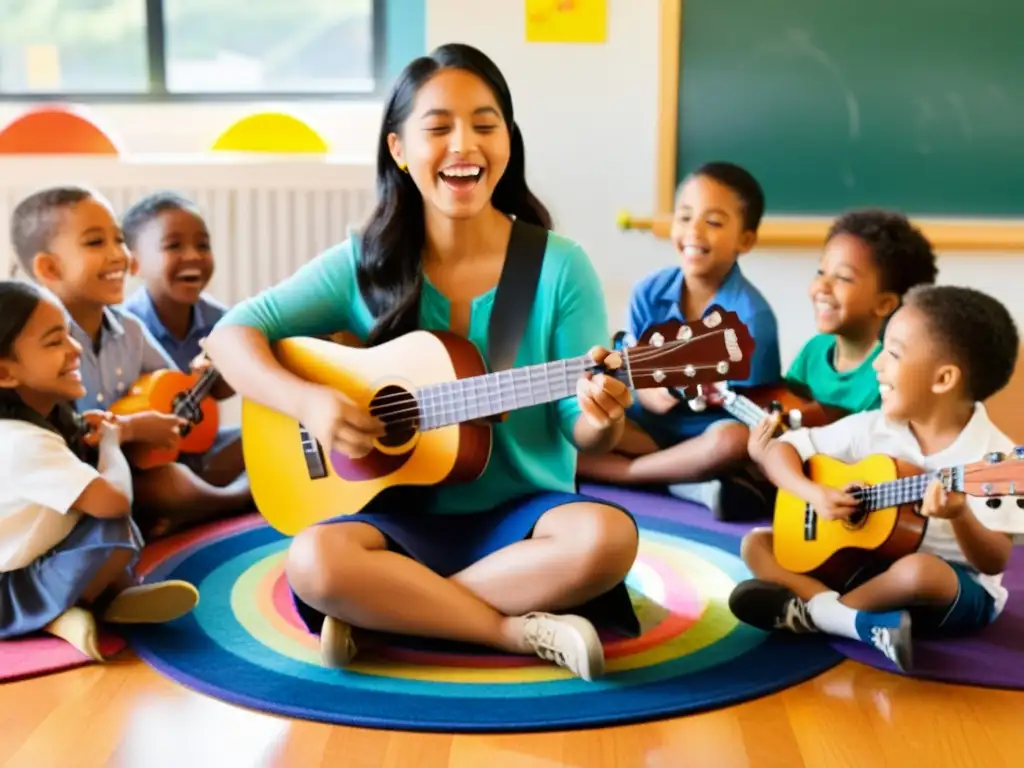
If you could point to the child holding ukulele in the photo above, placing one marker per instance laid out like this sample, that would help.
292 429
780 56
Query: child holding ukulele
933 375
871 259
69 241
67 540
169 241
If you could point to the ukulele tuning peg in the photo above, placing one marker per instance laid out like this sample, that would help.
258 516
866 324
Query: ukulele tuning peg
995 457
685 333
700 402
1018 452
656 340
713 320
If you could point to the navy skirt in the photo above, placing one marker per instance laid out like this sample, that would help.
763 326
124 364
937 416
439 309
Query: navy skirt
33 596
449 543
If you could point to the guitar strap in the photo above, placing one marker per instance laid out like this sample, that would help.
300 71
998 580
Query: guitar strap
517 289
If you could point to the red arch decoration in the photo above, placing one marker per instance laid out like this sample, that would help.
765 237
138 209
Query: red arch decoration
55 130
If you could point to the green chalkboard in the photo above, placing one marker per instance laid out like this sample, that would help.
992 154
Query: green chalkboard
832 104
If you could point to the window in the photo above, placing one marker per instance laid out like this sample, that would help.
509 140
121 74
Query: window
189 48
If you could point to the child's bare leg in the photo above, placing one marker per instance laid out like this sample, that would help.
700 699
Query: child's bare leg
226 466
917 579
613 467
577 552
346 572
172 496
717 451
757 552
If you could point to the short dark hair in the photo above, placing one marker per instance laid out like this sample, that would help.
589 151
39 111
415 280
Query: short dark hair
37 219
148 208
977 330
739 180
903 255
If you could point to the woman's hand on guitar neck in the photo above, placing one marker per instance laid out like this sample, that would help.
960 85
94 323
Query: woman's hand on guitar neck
835 504
339 424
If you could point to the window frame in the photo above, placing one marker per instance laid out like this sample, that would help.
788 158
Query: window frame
156 65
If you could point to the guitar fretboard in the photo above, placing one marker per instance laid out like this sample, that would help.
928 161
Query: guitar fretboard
909 489
478 397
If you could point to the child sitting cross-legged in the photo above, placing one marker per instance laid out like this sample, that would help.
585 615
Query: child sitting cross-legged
67 540
718 212
944 352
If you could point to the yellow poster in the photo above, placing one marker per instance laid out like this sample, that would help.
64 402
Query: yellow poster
566 21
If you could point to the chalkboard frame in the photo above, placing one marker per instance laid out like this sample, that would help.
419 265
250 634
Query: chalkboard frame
946 234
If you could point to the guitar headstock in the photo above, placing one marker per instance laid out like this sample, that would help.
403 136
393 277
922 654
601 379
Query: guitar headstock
998 474
679 355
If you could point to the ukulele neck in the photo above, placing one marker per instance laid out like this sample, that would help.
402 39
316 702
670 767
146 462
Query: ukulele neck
908 490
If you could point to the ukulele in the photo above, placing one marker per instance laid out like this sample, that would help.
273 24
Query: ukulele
889 524
753 405
432 391
185 395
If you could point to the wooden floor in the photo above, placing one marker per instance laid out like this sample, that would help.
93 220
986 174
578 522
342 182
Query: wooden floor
125 714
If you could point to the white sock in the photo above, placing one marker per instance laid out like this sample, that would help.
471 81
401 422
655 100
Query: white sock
831 616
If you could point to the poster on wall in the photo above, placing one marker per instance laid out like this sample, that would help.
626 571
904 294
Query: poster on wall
566 21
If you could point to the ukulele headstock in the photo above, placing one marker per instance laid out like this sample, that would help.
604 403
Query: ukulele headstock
998 474
680 355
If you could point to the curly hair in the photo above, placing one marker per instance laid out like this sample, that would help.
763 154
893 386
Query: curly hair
37 219
976 329
741 182
148 208
904 256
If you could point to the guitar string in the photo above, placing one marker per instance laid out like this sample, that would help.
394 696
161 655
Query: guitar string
423 410
633 356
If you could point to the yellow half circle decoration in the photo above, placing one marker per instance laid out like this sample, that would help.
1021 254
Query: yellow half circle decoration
270 132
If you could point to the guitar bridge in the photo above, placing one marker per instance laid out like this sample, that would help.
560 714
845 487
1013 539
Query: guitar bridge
313 455
810 523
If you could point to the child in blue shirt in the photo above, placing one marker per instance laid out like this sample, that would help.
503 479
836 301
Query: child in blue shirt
170 243
718 211
68 239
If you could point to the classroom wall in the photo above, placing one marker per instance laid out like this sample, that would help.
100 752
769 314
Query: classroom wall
589 115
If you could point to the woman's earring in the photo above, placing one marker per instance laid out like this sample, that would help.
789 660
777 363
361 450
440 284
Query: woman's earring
403 167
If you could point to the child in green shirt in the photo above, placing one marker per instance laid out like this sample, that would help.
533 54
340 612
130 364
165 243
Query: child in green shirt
872 258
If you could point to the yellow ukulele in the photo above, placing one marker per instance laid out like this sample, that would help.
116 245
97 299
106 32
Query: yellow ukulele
889 524
431 389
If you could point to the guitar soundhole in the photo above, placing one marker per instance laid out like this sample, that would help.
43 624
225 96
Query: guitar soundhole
399 411
857 519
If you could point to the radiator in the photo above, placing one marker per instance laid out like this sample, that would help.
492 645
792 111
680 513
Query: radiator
266 216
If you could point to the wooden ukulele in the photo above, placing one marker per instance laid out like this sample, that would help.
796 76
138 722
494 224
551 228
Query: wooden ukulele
889 524
186 395
432 391
753 405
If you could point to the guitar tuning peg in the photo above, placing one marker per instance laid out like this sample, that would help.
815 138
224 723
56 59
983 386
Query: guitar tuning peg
1018 452
700 402
994 457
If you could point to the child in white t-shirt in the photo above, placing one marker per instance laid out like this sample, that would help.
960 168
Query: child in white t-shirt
945 351
67 541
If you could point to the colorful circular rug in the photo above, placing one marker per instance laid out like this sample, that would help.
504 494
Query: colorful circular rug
244 644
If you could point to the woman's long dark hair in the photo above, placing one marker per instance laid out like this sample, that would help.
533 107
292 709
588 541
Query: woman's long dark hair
389 272
18 300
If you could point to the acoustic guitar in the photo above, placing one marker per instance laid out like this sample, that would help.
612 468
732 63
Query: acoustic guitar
434 394
888 524
185 395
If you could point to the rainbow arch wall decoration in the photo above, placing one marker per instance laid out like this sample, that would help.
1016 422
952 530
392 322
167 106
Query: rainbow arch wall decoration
276 132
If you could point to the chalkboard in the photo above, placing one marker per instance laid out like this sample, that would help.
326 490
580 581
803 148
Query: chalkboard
834 104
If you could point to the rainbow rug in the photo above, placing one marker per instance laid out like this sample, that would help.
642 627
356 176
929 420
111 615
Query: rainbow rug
244 643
